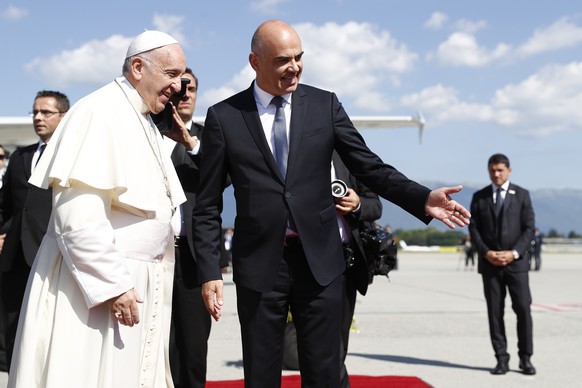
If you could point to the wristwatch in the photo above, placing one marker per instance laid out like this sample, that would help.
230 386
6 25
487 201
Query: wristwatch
515 254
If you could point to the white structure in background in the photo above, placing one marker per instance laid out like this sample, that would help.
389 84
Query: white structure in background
18 131
418 248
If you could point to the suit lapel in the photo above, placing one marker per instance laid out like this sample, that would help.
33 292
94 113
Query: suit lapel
195 130
253 124
509 197
298 112
489 201
178 154
27 155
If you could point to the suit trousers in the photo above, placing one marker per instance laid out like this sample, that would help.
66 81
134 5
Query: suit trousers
316 312
348 307
495 285
13 287
191 324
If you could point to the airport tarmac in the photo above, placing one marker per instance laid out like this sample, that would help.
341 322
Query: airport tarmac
429 321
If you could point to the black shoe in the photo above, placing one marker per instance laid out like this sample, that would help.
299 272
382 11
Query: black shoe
501 368
526 367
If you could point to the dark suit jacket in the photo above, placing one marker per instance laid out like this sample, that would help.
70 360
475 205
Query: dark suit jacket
234 143
370 210
24 211
188 170
514 231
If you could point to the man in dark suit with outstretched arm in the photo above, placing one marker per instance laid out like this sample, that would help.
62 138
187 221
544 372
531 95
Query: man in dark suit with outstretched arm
275 140
501 230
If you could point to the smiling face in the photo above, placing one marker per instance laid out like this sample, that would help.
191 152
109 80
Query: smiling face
156 75
276 58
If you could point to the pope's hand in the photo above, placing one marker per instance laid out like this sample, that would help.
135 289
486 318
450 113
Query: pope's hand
124 308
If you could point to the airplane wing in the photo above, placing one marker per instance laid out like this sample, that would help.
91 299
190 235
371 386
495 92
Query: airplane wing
17 131
383 122
376 122
418 248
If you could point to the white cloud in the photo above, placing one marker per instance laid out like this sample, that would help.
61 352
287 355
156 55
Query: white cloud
354 59
546 102
266 6
239 82
441 105
462 49
171 24
470 26
95 62
14 13
436 21
559 35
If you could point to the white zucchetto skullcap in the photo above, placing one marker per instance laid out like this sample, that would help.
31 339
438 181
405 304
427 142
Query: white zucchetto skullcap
149 40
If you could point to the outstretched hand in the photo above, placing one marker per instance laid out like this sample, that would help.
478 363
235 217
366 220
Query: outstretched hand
441 206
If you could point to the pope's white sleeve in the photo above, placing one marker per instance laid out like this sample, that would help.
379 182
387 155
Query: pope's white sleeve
86 240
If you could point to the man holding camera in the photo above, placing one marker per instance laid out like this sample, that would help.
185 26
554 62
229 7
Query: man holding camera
357 208
191 322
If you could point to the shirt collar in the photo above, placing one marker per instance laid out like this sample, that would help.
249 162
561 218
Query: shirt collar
504 186
265 98
133 96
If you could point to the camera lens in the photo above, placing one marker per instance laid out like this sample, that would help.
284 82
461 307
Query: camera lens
338 188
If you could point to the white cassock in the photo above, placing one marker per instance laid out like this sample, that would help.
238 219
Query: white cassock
109 232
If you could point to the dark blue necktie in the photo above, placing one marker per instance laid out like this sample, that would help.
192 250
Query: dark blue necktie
280 135
498 202
42 147
281 147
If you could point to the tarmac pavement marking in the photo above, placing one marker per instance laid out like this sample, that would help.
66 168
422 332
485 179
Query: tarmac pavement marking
561 307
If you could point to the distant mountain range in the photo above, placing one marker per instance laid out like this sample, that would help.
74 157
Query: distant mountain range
560 210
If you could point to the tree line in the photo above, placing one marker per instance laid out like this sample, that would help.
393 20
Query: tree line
433 236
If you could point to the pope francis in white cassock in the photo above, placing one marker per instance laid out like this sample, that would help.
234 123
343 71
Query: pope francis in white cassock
114 191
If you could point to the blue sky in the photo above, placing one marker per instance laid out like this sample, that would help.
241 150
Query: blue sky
494 76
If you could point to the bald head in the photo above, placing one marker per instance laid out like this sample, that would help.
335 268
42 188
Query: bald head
269 31
276 56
